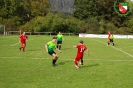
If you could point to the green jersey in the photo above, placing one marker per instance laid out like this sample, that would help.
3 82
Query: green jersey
51 46
111 37
59 37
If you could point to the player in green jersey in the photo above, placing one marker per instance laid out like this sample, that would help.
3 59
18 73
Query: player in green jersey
50 46
111 40
59 40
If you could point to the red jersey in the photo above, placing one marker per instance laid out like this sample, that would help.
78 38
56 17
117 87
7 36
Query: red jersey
81 48
109 34
23 38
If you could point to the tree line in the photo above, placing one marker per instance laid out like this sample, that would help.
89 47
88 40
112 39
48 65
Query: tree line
88 16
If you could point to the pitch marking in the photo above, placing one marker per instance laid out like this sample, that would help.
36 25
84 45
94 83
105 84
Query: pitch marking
19 43
116 49
66 59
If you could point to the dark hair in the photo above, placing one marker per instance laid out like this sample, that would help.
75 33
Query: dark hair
54 37
81 41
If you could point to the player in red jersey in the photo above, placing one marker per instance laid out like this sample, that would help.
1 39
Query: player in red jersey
109 34
22 40
81 48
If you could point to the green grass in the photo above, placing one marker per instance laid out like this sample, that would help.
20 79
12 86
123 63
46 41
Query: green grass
105 67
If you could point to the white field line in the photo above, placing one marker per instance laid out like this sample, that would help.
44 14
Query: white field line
19 43
116 49
66 59
14 44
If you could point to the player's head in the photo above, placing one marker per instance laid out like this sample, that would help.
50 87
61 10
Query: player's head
54 39
81 41
59 32
23 33
109 32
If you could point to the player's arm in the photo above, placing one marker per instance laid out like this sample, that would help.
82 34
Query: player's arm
87 52
62 37
19 40
58 50
75 46
46 47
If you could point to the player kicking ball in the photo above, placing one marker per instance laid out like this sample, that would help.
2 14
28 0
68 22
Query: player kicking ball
80 53
50 46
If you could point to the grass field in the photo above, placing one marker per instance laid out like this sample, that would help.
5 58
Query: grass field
105 67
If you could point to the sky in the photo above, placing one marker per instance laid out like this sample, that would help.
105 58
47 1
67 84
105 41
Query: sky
132 0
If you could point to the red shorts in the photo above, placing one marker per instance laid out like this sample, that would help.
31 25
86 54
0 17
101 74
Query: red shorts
23 43
78 57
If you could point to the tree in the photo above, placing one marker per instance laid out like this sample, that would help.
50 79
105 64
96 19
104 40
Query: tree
36 7
22 11
85 9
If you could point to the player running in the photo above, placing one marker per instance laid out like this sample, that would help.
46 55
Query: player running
59 40
50 46
22 40
81 48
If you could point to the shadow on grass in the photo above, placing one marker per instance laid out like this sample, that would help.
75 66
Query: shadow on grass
64 62
90 65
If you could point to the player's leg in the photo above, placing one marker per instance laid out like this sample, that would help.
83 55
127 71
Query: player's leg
23 47
55 57
57 45
76 61
108 42
60 42
113 42
81 60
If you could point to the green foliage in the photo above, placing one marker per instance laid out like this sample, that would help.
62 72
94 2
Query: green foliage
102 28
36 7
130 23
10 24
35 25
47 22
23 10
73 24
89 16
85 9
53 22
68 24
103 9
58 23
28 27
124 30
93 25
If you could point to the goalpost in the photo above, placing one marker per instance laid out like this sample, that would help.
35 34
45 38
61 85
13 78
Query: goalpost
2 29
